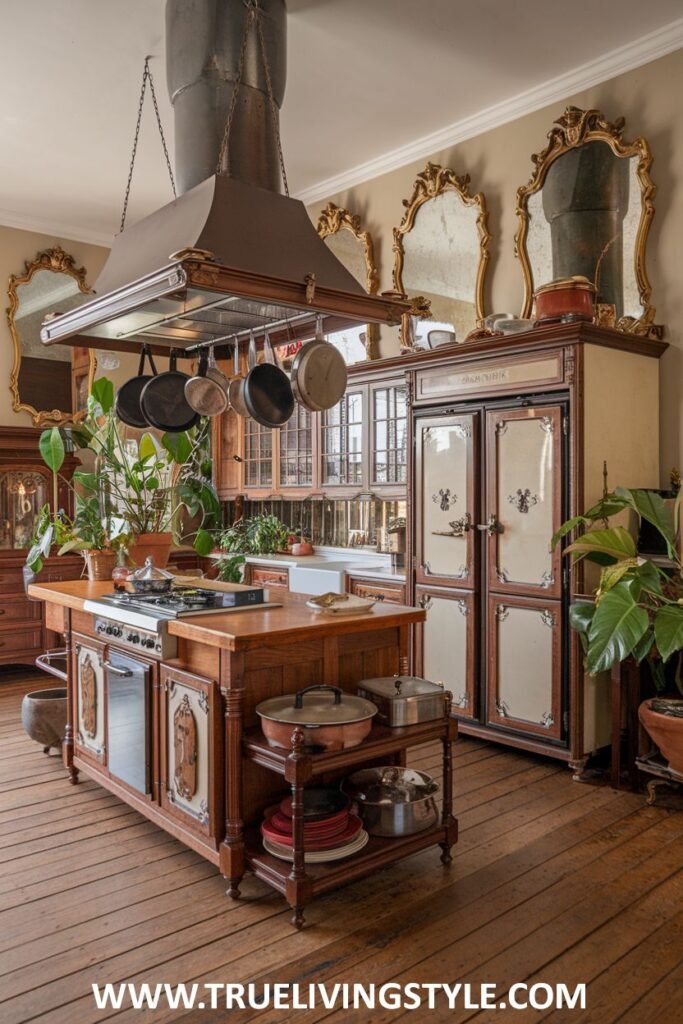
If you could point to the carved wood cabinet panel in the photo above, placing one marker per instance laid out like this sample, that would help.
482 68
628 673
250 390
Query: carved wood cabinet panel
89 673
189 718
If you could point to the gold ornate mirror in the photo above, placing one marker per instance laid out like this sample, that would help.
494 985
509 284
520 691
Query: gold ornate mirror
343 232
51 383
441 253
586 211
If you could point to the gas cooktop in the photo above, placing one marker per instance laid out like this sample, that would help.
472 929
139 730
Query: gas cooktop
183 601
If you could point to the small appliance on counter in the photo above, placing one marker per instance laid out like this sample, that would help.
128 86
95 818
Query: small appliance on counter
404 700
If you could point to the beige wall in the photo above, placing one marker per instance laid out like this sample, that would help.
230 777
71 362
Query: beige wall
499 161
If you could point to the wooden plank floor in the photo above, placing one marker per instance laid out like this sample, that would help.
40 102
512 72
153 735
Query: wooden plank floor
551 881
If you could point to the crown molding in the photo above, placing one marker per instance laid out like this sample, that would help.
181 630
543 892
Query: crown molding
633 55
54 229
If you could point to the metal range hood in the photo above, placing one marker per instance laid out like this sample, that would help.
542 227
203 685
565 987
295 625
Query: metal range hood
230 253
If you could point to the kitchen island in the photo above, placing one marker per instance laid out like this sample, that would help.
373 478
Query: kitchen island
173 731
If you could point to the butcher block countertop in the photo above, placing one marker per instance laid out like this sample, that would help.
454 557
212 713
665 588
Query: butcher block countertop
292 621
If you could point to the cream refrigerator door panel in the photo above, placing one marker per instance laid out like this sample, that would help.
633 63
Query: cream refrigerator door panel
446 499
525 478
447 638
525 667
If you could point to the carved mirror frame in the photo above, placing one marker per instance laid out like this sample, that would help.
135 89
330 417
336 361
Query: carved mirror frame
334 219
59 262
573 129
434 181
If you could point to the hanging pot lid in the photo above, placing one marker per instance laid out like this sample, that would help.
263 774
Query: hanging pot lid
323 705
149 571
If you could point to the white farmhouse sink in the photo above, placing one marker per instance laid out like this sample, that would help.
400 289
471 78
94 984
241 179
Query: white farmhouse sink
321 579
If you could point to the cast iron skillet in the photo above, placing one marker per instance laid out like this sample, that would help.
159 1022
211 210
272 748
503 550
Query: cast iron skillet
163 401
128 396
267 392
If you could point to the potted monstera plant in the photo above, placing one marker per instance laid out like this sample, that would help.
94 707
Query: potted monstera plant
638 607
137 492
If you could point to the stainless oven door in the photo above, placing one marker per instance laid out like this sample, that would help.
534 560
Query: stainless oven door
128 720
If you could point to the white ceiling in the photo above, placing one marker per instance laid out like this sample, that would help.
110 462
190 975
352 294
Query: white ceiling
371 84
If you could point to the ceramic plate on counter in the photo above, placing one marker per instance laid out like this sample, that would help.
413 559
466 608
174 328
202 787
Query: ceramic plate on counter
340 604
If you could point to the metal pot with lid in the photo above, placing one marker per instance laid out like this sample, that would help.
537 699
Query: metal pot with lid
394 801
151 580
404 700
329 718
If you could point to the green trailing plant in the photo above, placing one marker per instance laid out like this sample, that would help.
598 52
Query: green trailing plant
129 487
261 535
638 607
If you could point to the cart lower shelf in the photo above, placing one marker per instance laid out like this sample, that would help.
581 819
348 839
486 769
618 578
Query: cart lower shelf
377 853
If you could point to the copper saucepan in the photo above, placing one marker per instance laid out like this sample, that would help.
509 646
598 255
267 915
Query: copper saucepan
331 720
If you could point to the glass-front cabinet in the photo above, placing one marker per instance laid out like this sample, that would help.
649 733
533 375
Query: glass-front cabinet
258 455
389 427
22 494
343 441
296 449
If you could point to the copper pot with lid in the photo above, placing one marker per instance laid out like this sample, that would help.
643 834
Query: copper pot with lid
329 718
568 297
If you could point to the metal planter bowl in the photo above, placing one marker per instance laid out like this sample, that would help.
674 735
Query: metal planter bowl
43 716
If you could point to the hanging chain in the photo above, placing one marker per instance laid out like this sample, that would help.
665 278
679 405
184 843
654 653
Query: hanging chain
146 75
253 14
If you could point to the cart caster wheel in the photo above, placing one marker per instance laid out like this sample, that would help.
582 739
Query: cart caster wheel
298 918
73 776
233 889
446 857
46 750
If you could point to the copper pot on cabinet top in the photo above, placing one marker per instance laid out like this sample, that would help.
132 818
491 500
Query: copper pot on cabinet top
569 297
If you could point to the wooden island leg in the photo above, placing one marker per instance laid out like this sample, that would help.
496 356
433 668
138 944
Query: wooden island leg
298 884
449 823
232 857
71 683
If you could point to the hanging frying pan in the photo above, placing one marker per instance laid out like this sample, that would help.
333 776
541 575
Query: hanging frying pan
318 373
267 391
128 396
235 392
206 391
163 401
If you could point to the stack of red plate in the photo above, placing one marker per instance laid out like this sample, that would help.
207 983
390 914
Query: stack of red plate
329 837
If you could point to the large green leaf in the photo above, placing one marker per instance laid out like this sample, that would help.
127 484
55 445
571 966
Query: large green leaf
566 528
203 542
669 630
617 626
178 446
88 482
608 506
51 446
651 506
611 574
644 646
613 543
581 615
102 395
147 447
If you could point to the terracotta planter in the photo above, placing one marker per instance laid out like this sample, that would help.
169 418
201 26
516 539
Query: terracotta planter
43 716
151 545
664 730
99 564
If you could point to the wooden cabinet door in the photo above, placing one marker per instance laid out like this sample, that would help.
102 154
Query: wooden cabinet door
446 645
524 684
190 750
90 699
523 506
446 499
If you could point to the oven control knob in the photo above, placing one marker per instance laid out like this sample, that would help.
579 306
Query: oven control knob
129 637
108 630
149 642
116 631
135 638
